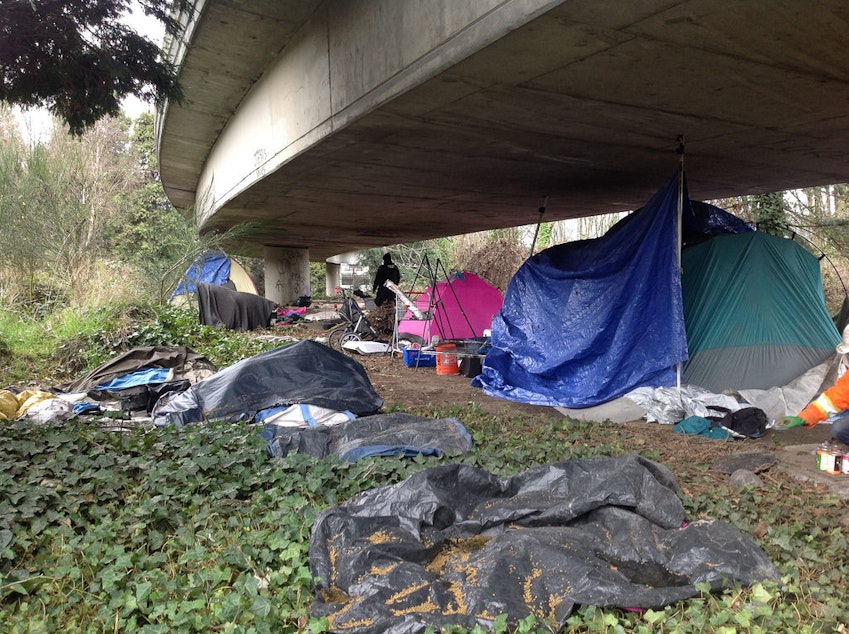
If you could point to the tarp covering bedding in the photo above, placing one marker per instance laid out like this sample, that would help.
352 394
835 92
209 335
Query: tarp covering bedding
220 306
586 322
765 324
184 362
370 436
304 372
462 308
454 545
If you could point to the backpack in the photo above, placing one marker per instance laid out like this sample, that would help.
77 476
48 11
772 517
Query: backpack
748 422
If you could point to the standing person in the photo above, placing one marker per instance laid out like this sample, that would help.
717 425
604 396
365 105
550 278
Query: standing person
833 402
387 271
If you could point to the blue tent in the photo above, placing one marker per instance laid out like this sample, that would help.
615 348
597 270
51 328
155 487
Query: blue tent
588 321
214 267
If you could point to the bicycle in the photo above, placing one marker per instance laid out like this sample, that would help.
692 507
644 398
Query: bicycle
355 327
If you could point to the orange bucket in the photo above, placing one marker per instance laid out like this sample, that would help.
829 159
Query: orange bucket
446 359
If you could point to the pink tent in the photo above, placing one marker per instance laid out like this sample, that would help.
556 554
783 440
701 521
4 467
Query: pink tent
463 307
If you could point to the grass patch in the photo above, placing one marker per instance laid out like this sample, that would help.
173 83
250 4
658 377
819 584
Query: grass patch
72 341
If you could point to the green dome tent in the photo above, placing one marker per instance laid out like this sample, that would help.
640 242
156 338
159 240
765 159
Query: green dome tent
754 312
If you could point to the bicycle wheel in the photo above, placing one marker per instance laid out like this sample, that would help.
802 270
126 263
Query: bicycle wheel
334 339
348 337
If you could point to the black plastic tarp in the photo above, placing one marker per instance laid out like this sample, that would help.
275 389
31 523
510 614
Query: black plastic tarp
303 372
377 435
454 545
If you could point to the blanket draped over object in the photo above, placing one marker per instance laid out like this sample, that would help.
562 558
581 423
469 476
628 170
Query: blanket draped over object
377 435
304 372
454 545
220 306
185 362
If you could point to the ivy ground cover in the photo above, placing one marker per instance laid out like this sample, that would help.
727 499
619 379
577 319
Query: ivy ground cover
198 530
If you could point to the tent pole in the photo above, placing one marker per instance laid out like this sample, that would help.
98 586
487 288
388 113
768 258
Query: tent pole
539 222
680 230
457 299
425 262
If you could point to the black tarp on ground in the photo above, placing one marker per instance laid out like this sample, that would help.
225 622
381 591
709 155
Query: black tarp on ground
220 306
377 435
455 545
303 372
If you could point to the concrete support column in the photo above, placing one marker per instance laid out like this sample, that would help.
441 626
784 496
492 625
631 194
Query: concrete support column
332 278
287 274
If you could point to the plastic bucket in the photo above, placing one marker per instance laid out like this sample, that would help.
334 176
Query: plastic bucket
446 359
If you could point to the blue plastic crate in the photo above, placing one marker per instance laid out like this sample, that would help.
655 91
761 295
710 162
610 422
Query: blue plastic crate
415 358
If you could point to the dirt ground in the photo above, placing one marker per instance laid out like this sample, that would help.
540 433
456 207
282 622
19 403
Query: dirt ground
424 389
782 457
777 457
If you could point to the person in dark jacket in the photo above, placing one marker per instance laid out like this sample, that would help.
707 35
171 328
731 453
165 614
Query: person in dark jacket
387 271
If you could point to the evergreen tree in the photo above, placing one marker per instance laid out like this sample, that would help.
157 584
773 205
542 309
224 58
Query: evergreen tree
770 212
79 59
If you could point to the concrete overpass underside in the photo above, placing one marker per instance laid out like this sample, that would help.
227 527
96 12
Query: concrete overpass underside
348 124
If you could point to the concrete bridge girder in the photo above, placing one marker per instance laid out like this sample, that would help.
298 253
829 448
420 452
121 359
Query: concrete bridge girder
336 70
348 125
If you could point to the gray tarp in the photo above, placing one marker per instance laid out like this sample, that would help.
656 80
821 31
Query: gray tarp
456 545
304 372
377 435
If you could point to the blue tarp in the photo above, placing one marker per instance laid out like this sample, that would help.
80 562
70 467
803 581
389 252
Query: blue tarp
213 267
142 376
588 321
701 221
